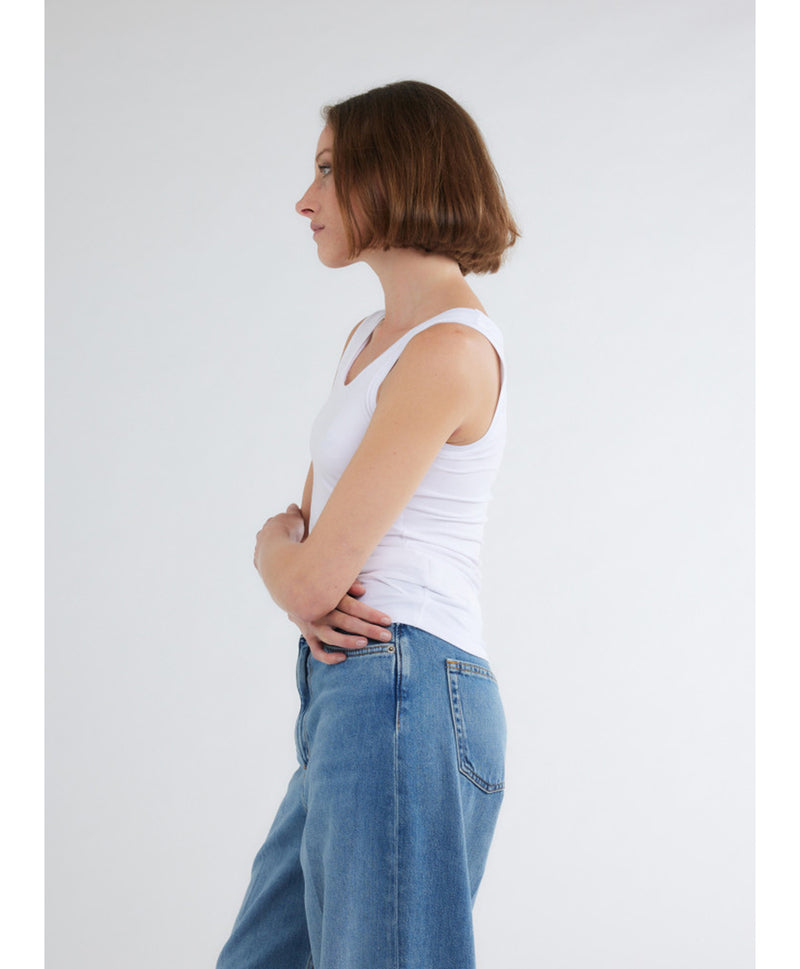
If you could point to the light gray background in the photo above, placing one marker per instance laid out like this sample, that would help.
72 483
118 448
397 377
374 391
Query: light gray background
192 336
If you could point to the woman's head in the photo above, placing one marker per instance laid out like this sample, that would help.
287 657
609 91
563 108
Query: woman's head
411 170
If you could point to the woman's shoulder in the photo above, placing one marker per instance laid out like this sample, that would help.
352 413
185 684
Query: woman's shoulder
460 350
444 353
449 345
463 331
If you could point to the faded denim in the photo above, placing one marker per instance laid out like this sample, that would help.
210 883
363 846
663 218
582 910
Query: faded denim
378 848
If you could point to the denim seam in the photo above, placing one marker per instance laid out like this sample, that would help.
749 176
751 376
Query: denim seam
301 737
306 699
398 687
303 746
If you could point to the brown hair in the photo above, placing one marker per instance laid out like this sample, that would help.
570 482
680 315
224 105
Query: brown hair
413 164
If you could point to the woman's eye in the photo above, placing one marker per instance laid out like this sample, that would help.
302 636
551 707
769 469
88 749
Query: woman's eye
324 169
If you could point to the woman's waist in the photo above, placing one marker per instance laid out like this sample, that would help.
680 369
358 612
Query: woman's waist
414 565
456 619
429 592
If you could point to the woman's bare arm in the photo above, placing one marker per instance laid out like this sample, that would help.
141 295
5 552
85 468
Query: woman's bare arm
352 622
428 395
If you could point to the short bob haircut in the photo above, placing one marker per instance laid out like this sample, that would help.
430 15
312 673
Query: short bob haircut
411 170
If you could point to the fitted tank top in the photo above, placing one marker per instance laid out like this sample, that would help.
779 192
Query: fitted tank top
425 571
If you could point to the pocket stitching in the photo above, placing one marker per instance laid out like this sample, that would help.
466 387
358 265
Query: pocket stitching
454 669
374 650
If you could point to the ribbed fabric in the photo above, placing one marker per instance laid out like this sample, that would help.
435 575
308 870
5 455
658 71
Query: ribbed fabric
425 571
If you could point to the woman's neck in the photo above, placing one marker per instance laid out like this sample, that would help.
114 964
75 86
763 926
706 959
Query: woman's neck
418 285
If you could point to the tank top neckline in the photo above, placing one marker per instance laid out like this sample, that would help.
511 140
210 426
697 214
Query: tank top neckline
381 315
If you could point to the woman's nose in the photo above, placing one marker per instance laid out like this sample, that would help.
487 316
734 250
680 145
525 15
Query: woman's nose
305 206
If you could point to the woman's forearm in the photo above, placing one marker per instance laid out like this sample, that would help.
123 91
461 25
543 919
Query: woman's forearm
290 568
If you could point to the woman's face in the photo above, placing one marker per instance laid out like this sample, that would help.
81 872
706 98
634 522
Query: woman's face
321 206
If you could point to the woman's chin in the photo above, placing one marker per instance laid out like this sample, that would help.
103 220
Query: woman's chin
334 261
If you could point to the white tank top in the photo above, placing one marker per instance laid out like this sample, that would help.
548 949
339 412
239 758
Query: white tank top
425 571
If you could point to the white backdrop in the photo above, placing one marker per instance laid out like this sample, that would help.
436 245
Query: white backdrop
192 336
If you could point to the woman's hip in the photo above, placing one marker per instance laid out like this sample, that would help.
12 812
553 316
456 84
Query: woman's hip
416 701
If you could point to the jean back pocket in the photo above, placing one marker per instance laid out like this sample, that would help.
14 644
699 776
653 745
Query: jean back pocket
479 724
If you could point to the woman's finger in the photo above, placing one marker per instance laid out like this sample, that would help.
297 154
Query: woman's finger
354 607
356 627
331 636
322 655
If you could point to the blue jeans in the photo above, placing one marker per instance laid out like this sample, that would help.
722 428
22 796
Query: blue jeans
377 850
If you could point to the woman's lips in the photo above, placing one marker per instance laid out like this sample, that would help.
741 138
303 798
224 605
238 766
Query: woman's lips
316 228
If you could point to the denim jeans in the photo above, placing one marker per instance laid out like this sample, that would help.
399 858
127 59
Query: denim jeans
377 850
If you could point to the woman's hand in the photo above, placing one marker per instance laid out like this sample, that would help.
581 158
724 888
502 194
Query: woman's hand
290 525
349 626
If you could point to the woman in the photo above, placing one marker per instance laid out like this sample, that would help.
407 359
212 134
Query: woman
377 850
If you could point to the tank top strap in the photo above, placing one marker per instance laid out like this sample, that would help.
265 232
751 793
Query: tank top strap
465 315
356 344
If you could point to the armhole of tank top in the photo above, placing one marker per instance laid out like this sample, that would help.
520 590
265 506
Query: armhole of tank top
371 398
500 407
